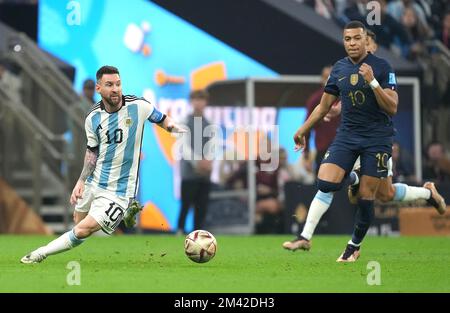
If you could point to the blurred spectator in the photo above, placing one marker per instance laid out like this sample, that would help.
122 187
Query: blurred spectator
269 196
402 165
437 165
303 169
355 11
396 9
89 90
195 168
228 166
390 33
10 82
324 132
418 33
372 45
269 192
443 34
286 172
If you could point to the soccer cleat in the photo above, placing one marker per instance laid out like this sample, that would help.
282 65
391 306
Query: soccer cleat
353 189
350 254
298 243
33 257
129 218
436 199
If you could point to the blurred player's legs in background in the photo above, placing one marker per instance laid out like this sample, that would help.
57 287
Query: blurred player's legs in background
387 192
400 192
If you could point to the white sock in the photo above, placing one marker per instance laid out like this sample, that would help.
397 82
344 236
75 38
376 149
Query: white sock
405 193
318 207
63 243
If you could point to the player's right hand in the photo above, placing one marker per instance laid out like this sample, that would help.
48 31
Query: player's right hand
299 140
77 192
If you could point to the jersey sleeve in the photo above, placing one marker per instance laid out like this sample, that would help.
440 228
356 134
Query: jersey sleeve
387 78
92 139
150 113
331 86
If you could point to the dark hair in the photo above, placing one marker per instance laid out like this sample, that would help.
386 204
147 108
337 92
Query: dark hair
88 84
355 24
199 94
106 69
372 35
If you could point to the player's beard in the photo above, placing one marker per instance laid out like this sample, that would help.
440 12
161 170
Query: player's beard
114 100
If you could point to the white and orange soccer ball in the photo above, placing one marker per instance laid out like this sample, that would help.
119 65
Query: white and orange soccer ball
200 246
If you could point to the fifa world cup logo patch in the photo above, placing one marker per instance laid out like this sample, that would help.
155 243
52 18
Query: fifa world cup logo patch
128 122
354 79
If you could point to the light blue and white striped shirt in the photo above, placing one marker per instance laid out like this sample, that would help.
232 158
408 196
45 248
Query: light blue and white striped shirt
118 137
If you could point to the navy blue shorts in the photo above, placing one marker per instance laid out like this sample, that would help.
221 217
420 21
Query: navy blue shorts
374 153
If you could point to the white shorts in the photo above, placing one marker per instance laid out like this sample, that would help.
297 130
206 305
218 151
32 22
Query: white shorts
106 209
389 165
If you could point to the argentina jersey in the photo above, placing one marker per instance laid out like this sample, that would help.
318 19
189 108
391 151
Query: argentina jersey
361 113
118 137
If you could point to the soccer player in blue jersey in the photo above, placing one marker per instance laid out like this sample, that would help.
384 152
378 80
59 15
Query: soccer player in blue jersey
387 191
366 86
108 181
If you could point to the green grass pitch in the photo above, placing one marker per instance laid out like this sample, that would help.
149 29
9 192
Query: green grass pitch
156 263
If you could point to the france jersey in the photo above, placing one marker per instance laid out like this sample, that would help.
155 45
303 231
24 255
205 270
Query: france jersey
118 137
361 113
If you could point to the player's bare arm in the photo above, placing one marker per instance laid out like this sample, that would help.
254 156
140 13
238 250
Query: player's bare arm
172 127
318 114
387 99
90 161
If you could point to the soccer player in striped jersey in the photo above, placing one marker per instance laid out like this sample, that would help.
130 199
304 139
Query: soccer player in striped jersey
114 129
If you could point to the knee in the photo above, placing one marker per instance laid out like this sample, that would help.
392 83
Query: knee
367 192
386 195
326 186
82 232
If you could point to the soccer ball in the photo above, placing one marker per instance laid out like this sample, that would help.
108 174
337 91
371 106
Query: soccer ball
200 246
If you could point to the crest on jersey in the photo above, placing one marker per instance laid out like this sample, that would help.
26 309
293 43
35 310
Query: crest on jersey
354 79
128 122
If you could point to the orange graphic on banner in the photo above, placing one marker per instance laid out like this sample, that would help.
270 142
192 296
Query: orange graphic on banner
162 79
151 217
207 74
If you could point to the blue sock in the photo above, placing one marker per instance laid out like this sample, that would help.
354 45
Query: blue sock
364 218
74 240
400 192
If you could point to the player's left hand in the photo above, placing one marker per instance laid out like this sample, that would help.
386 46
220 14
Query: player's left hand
366 72
174 128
